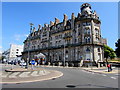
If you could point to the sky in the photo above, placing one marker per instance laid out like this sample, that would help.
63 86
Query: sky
16 17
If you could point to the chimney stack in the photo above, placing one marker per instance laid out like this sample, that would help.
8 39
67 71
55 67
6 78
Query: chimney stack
56 21
39 26
79 14
51 23
34 29
65 19
72 16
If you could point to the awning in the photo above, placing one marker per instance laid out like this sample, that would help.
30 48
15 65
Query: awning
40 55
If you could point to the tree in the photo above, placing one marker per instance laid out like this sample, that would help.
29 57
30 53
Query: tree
108 53
117 50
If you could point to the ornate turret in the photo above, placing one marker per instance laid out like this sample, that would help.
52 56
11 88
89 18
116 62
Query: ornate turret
86 9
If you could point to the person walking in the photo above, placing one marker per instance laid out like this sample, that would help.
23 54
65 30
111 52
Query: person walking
108 67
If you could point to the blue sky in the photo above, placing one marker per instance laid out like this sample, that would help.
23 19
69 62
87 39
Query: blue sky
16 17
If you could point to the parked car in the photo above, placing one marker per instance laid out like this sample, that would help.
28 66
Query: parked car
23 64
10 62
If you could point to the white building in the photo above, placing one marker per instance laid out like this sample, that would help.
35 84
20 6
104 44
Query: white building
13 52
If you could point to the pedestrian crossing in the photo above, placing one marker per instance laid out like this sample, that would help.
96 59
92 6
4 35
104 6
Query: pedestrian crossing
23 74
13 75
112 76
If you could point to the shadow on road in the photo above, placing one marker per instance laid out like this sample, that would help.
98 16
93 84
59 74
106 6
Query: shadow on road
97 86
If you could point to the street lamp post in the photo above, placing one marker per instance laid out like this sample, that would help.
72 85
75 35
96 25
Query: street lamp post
64 54
29 45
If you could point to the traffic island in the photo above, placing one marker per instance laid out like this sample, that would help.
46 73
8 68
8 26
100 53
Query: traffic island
24 75
23 70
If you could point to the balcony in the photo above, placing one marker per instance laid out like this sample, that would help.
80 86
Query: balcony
60 30
87 33
88 18
98 43
34 37
44 41
95 43
62 46
67 36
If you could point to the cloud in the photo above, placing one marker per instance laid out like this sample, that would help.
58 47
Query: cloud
20 36
0 49
26 35
0 52
17 37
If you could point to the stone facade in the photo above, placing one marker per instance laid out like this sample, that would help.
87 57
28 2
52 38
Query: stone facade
72 40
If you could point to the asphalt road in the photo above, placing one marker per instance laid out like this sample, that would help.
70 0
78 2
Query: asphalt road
72 78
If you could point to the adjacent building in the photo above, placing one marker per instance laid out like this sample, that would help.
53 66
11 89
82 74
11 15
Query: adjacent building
70 41
13 52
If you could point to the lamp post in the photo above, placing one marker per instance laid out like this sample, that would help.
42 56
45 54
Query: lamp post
29 45
64 54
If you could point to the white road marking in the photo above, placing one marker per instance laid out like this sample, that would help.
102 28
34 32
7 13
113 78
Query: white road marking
41 72
13 75
35 73
113 77
104 75
86 71
117 74
83 70
4 75
24 74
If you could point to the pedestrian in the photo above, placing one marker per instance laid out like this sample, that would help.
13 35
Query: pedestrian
108 67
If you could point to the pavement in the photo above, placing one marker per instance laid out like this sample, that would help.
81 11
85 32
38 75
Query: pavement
102 70
22 75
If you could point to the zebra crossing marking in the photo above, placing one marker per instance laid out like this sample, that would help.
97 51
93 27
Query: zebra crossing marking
6 75
104 75
35 73
13 75
24 74
117 74
113 77
41 72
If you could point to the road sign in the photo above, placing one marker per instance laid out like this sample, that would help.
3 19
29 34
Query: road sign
33 62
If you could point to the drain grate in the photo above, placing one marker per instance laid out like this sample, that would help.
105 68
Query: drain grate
18 83
71 86
53 78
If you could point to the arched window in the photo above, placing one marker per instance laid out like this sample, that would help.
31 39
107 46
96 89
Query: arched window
98 49
88 31
85 38
87 49
88 39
